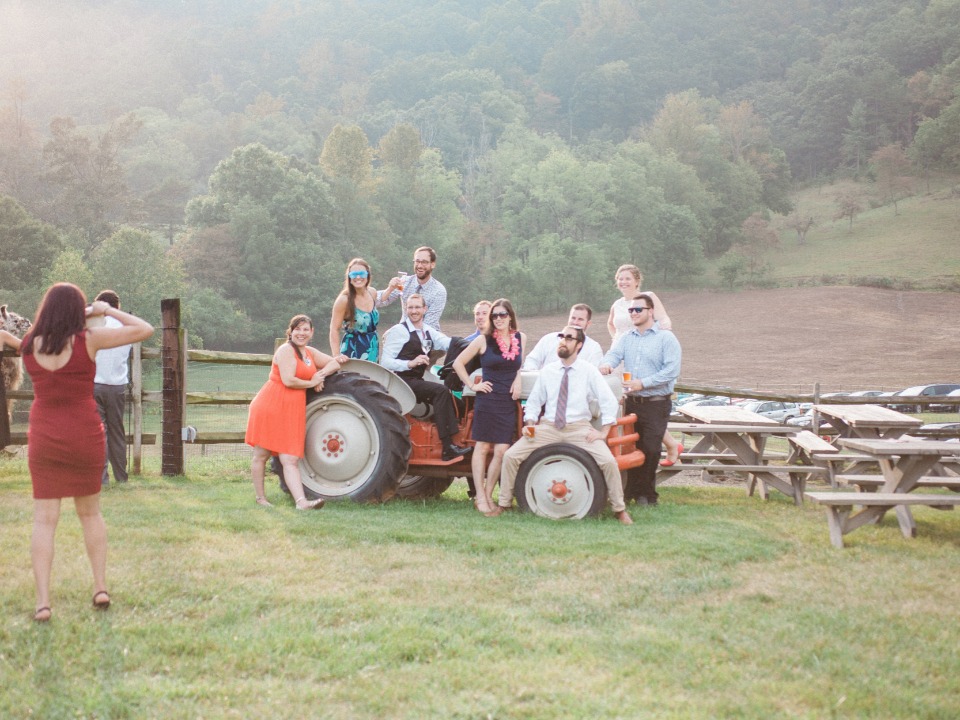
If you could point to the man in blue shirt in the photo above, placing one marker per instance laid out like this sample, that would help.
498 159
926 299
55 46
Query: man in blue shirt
652 356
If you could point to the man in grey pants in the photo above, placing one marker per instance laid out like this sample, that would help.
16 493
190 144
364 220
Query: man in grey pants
110 391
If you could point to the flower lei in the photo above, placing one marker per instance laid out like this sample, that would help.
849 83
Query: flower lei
511 352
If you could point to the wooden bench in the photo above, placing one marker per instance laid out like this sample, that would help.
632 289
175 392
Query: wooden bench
839 505
870 483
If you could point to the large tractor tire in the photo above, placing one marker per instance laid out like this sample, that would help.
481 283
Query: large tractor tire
561 482
422 487
357 442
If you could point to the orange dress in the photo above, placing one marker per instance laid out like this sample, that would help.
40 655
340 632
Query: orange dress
278 414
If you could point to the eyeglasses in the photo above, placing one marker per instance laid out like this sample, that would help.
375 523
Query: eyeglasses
499 315
638 310
422 262
561 336
353 274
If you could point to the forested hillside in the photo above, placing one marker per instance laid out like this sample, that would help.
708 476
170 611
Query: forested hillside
238 153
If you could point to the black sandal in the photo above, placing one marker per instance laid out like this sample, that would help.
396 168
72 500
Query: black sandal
39 618
101 604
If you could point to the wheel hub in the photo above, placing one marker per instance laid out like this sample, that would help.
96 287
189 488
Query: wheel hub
559 492
333 445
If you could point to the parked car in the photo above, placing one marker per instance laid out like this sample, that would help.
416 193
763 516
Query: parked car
949 431
868 393
923 390
708 402
774 409
806 421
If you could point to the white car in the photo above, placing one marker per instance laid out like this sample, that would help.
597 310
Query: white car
774 409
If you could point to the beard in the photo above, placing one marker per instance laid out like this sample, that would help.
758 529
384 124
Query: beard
563 352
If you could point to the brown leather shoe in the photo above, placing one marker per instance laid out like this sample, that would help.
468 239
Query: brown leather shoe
624 517
497 511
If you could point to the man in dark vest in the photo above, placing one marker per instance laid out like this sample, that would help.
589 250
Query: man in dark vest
406 351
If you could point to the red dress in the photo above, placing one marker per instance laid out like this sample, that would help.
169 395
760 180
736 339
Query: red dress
278 414
65 443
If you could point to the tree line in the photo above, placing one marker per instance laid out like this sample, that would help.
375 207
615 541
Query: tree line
536 145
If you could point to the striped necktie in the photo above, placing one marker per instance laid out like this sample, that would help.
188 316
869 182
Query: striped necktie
560 419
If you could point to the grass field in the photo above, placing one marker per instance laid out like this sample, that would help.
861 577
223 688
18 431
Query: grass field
712 605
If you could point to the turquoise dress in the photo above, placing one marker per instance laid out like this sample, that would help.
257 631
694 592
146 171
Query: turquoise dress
361 340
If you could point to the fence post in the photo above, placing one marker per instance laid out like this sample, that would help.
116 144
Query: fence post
136 381
174 386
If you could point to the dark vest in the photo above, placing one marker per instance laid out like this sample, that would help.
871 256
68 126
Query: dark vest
411 349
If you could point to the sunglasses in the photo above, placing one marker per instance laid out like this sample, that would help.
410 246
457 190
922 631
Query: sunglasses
561 336
499 315
638 309
357 274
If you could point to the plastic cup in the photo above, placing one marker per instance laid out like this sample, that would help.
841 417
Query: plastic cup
529 431
627 377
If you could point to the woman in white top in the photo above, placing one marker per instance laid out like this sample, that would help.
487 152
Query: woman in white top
629 279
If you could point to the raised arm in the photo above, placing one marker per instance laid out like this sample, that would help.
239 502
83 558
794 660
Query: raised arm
8 339
660 312
132 330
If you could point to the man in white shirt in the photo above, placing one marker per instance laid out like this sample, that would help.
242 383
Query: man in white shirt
563 392
423 283
406 351
110 393
546 350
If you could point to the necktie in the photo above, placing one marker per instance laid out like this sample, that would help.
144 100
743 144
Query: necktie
560 420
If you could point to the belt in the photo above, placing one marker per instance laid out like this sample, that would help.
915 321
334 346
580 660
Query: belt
641 399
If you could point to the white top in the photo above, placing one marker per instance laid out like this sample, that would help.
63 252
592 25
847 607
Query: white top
621 318
112 363
396 337
546 353
585 383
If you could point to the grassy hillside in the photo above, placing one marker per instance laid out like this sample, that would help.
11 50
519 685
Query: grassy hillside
918 247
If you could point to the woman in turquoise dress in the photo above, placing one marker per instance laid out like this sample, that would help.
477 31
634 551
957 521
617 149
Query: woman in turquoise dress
355 315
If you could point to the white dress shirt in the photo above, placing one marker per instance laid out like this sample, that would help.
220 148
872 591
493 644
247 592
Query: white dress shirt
112 363
546 352
396 337
585 383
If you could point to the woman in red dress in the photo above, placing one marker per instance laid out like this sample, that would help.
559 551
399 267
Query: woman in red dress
278 420
65 441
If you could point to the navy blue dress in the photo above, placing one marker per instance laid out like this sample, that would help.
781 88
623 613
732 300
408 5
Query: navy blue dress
495 413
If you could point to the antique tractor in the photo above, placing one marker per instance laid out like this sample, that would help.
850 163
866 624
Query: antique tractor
368 439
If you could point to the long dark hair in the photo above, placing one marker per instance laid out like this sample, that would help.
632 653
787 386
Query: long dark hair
294 322
60 317
506 305
351 292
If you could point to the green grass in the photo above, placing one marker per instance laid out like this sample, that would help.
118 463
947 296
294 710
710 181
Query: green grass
919 247
712 605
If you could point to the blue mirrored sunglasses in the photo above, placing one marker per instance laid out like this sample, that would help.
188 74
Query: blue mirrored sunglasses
357 274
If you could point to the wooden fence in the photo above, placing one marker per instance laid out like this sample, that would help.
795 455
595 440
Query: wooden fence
174 397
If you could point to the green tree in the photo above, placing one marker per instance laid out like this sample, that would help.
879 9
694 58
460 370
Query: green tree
891 166
27 247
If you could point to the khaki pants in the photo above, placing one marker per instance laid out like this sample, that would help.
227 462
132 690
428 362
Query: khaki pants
573 434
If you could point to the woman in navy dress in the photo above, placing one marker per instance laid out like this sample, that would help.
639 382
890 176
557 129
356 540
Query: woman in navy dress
500 348
355 313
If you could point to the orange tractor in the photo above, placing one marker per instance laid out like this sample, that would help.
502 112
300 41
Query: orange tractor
368 439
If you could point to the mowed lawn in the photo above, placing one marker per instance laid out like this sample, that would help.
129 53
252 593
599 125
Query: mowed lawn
713 605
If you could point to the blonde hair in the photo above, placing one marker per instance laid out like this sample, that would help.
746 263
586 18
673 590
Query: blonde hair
633 270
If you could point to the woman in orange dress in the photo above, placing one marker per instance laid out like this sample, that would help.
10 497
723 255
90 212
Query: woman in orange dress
277 421
65 441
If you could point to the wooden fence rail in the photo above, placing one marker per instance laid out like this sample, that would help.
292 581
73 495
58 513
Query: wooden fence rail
174 397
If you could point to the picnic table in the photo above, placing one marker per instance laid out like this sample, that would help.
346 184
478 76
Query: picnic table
903 463
862 421
739 438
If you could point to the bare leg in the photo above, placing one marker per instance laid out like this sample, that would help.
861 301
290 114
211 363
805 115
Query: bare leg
672 446
493 471
291 475
257 469
46 514
478 465
94 537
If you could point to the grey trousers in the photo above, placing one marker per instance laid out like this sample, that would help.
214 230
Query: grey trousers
111 402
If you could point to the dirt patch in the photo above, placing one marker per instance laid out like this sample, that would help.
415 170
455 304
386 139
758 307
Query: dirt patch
842 337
